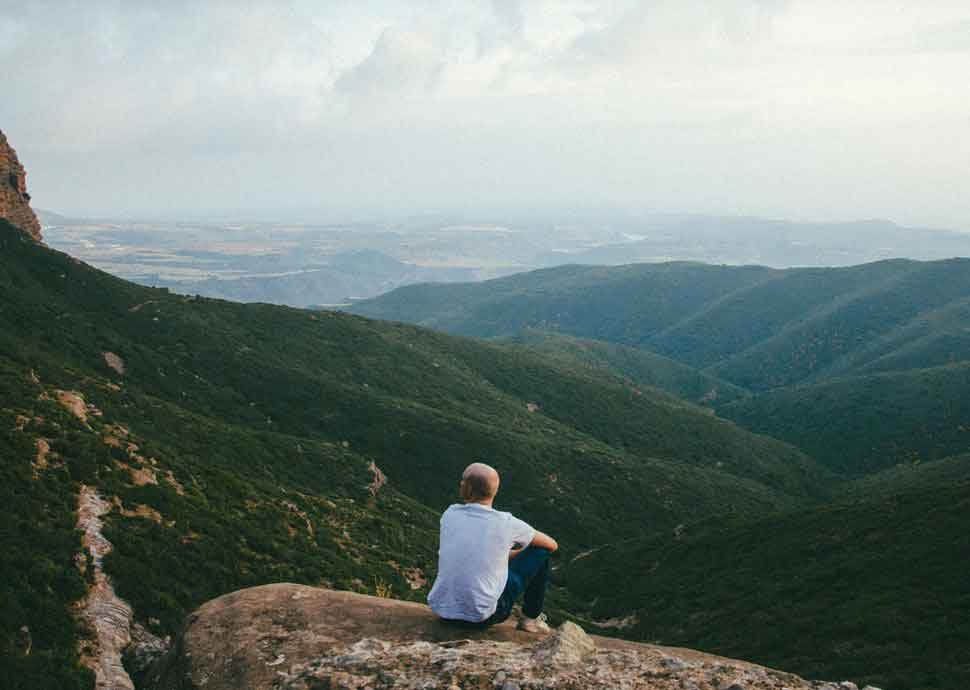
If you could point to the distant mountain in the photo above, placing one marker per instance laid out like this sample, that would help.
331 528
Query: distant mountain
756 327
51 218
776 243
865 424
871 320
623 304
346 276
231 444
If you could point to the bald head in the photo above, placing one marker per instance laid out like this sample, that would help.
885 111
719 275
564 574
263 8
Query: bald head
479 482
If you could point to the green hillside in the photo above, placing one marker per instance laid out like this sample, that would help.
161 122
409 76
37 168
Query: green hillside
638 366
748 318
864 424
621 304
824 344
235 443
755 327
875 591
933 339
909 477
872 587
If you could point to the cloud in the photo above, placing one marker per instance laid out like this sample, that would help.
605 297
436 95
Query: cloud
106 76
675 103
664 31
401 61
950 37
507 31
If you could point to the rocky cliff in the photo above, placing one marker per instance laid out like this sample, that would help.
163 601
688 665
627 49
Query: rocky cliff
14 199
292 637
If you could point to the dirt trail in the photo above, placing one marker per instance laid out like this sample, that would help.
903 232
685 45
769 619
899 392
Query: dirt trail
108 616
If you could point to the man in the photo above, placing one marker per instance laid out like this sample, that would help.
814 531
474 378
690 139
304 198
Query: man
488 558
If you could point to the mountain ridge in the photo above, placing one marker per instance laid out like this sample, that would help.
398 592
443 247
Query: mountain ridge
755 327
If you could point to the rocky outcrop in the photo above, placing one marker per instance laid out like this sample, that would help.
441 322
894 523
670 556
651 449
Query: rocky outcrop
14 199
292 637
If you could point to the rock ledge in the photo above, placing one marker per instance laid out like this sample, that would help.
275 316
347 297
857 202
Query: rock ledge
293 637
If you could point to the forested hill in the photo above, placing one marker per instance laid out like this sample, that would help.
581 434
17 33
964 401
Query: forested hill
874 589
860 425
633 364
241 444
755 327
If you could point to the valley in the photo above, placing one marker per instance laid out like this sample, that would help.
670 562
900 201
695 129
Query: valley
700 498
862 368
307 264
237 444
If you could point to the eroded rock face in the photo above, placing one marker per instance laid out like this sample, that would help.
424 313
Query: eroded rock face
292 637
14 199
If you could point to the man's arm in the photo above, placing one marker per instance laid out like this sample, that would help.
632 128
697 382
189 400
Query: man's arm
544 541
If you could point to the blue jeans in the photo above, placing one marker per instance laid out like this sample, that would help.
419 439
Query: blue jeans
529 575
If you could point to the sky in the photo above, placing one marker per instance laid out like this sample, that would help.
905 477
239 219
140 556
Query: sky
799 109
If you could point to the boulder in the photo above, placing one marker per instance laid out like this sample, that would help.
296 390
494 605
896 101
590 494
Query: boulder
569 645
293 637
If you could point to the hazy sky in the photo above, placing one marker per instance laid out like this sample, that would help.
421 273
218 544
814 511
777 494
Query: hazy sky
805 109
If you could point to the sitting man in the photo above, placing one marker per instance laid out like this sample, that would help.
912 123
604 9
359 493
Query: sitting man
488 558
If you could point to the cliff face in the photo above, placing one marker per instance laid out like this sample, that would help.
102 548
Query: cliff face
292 637
14 199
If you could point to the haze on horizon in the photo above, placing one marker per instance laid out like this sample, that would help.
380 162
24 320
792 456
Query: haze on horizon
801 109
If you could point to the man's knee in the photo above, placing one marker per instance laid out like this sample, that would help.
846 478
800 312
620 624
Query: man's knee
539 551
537 554
530 562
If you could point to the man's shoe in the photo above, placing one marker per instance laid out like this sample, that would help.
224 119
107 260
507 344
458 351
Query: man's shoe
534 625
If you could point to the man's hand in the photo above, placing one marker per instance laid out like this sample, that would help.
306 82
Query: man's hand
515 552
544 541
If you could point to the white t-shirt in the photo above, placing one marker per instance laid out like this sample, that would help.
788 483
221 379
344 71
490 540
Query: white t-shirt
473 560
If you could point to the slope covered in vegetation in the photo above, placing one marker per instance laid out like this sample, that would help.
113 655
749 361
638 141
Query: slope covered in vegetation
908 477
864 424
240 444
638 366
873 590
620 304
756 327
864 368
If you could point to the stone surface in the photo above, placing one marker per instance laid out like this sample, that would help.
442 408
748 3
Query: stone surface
570 645
293 637
143 651
14 199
